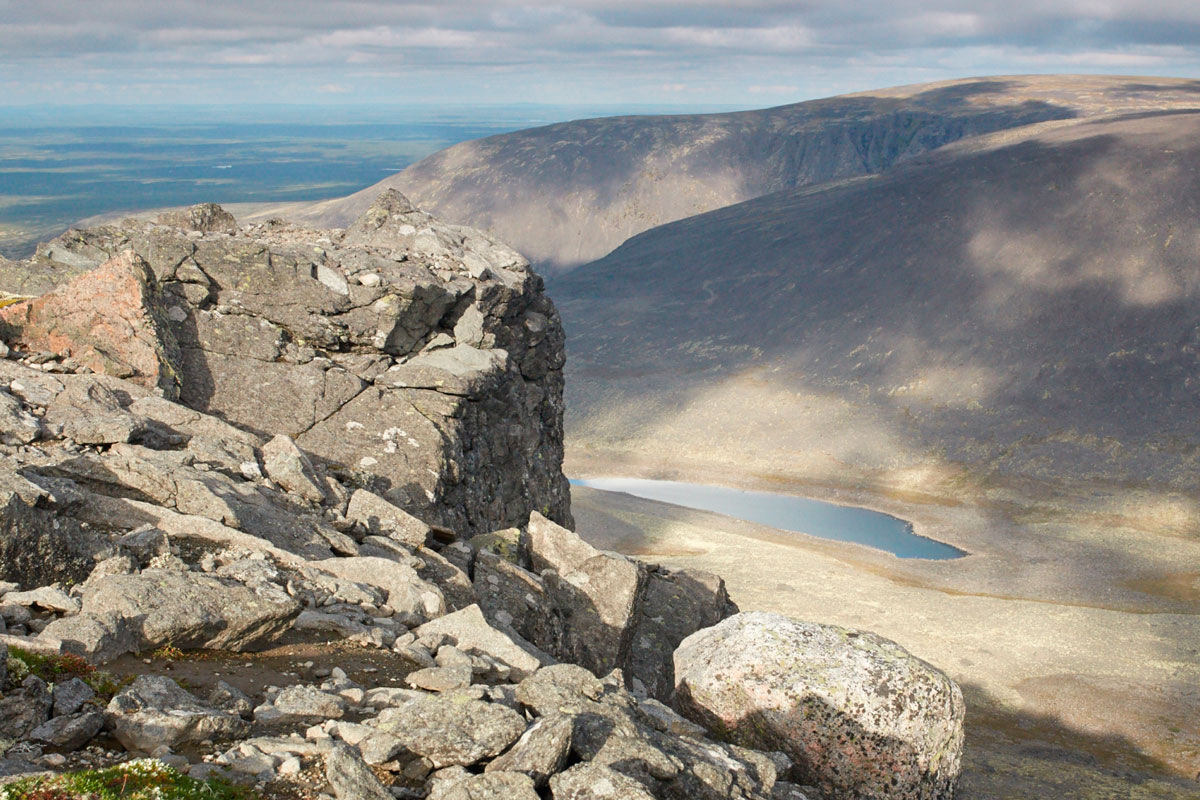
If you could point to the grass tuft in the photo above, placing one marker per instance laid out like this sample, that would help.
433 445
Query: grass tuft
143 779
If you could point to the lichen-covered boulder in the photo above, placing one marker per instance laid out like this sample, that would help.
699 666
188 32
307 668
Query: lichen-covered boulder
858 714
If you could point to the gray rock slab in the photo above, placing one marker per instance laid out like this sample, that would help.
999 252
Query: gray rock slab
154 711
411 597
470 632
541 751
69 732
287 465
450 729
192 610
596 782
97 637
380 517
489 786
349 776
70 695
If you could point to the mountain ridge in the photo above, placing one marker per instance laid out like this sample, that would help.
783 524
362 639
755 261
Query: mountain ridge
568 193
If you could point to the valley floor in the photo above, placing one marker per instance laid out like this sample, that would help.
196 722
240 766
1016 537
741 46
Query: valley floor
1076 638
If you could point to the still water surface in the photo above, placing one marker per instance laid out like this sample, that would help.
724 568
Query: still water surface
800 514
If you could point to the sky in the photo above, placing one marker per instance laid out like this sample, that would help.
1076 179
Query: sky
747 53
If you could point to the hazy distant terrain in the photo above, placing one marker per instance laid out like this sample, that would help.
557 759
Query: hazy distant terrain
569 193
60 166
1026 304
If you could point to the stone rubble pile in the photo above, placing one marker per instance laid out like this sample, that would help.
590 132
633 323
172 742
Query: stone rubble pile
217 443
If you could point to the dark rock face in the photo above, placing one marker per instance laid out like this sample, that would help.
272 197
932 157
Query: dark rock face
39 546
421 359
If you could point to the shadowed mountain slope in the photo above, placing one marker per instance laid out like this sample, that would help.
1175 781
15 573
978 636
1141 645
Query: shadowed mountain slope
1024 305
569 193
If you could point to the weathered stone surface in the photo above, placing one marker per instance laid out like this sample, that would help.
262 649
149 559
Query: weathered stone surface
440 679
99 638
227 697
610 611
410 596
193 610
282 330
17 425
155 711
70 695
489 786
451 729
39 546
611 729
380 517
562 687
597 600
596 782
308 702
168 479
857 713
205 218
290 468
49 598
89 412
111 320
674 604
549 545
470 632
69 732
350 777
448 576
514 599
541 751
25 709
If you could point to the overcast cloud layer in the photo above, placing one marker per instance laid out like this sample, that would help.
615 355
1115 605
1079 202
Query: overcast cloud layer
743 52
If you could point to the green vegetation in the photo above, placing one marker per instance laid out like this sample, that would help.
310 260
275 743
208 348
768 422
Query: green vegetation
143 779
54 668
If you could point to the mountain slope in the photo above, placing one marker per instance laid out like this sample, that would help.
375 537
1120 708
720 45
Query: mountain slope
569 193
1021 306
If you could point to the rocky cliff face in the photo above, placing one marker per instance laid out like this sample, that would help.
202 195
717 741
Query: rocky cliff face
416 358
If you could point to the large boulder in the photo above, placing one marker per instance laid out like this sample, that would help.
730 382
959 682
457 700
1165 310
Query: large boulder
111 319
859 715
192 610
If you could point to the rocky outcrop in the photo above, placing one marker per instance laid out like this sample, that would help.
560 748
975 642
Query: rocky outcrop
137 524
417 359
860 717
111 320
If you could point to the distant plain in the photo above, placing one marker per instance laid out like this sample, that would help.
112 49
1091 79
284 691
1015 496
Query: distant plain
62 165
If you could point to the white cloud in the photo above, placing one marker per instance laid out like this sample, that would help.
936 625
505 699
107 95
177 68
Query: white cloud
584 50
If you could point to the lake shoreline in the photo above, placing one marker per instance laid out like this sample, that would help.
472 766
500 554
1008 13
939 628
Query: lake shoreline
1025 623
